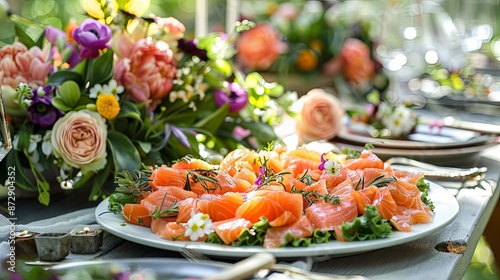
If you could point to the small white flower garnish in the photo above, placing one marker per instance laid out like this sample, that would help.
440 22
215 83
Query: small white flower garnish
332 167
198 225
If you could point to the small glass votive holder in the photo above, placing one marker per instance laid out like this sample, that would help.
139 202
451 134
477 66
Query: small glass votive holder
25 244
53 246
86 239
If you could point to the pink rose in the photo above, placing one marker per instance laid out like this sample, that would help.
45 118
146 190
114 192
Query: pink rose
18 64
357 63
146 71
79 139
259 47
171 26
320 116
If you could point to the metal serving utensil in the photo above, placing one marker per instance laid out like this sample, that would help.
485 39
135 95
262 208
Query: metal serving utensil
437 172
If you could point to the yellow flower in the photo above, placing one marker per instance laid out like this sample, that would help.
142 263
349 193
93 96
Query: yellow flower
101 9
108 106
137 7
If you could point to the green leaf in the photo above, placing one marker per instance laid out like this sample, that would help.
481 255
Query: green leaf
212 122
23 37
62 76
44 194
81 181
125 155
24 134
14 158
129 110
100 69
70 93
145 146
60 105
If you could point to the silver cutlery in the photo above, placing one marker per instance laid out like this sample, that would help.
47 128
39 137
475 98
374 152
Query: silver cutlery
437 172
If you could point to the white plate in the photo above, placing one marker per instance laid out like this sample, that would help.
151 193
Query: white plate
445 212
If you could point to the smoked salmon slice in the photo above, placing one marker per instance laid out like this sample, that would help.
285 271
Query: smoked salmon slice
220 207
167 176
367 159
277 236
229 230
325 216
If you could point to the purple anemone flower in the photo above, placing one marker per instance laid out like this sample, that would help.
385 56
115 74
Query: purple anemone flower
92 36
41 111
52 34
190 47
235 95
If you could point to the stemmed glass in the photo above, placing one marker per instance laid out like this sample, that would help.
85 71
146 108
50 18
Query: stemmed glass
5 139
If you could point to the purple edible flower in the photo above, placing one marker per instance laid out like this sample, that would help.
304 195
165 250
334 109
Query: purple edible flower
235 95
41 111
323 161
92 36
262 173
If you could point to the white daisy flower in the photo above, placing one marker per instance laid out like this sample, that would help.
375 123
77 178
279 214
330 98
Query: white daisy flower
198 225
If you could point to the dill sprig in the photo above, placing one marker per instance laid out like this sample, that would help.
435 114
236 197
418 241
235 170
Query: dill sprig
313 196
306 178
133 182
172 210
205 177
267 175
379 181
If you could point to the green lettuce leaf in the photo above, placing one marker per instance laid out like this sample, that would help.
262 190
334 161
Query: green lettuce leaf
370 226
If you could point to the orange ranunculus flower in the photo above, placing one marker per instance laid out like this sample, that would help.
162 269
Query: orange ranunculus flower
307 60
320 116
20 65
259 47
147 70
357 63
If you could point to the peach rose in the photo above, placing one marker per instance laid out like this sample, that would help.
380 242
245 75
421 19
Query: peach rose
320 116
79 139
259 47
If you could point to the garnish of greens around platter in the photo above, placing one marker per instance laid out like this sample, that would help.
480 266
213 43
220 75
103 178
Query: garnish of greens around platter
273 198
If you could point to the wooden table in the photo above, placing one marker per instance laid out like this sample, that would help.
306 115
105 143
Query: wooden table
414 260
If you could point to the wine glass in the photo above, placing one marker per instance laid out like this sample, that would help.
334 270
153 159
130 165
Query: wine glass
5 139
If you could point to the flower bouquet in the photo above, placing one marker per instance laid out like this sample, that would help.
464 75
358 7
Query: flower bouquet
119 90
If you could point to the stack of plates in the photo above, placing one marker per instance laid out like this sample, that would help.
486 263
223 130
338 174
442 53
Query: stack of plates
449 146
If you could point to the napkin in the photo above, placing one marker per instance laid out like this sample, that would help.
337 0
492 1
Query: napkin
62 223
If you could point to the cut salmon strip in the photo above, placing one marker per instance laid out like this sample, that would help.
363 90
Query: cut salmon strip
277 236
385 203
220 207
405 217
229 230
167 176
364 197
367 159
325 216
136 214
